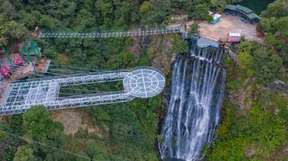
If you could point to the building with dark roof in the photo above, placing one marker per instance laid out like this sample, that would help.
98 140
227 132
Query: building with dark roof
242 11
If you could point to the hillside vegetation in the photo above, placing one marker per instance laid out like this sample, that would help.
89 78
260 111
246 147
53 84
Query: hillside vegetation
255 115
254 125
124 131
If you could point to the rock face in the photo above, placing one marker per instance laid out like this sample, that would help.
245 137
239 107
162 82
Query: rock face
279 85
158 49
160 52
75 120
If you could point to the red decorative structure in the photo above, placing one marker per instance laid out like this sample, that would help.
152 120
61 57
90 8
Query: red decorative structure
18 60
5 71
234 37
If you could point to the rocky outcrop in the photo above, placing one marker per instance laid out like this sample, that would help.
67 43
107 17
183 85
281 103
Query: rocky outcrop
279 85
160 52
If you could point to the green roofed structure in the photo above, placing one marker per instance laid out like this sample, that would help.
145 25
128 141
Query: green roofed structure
242 11
31 49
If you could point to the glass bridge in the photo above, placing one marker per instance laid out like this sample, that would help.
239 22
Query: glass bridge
142 82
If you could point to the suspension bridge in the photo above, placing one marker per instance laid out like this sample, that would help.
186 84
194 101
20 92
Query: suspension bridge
178 29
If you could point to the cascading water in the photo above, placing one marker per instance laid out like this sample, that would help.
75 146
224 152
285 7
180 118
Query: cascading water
194 106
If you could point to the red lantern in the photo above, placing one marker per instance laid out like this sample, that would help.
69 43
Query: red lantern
18 60
5 71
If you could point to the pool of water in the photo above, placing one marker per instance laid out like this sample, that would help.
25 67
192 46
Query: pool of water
257 5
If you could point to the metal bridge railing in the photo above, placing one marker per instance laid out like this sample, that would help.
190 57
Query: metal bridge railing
93 35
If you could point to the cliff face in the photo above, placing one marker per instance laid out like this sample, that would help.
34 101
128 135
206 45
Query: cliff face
155 51
160 53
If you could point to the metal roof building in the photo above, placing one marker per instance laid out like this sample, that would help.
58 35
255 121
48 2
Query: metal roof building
242 11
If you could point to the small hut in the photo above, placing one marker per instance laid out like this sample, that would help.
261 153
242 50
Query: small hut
215 18
234 37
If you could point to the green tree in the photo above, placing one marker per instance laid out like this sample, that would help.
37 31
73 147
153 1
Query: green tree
275 23
246 62
40 127
194 29
10 31
145 7
2 135
267 65
37 123
159 12
24 153
7 9
276 9
179 45
200 12
282 26
94 154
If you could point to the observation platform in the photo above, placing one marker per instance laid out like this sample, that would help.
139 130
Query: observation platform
142 82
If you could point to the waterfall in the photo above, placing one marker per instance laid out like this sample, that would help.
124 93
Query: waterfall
194 107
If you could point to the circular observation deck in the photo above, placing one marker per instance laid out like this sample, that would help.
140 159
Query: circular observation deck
144 82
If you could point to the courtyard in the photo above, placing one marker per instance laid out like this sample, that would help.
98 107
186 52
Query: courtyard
228 24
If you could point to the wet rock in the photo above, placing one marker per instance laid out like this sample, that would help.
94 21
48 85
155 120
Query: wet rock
249 152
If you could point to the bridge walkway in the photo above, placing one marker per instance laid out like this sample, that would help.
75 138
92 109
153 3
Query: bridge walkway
94 35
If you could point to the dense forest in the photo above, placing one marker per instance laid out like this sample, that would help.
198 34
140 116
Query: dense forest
255 116
255 113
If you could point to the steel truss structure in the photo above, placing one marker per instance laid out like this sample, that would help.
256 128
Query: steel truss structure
94 35
142 82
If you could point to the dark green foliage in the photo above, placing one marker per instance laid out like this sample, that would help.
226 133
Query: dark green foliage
194 29
258 130
260 62
39 127
37 138
24 154
38 124
267 65
200 12
179 45
276 9
198 9
16 124
275 24
132 128
8 142
10 31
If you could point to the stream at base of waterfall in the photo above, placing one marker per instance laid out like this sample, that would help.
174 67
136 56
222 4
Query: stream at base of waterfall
193 110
